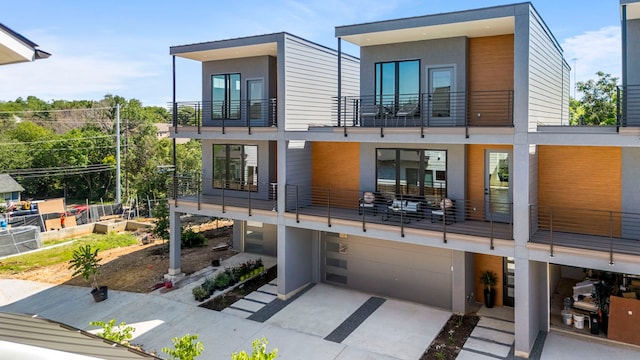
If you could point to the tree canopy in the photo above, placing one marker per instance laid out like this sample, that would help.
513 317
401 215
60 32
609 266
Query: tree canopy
598 103
61 147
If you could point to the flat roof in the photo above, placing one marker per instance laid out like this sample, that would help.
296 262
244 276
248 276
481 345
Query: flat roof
490 21
633 8
15 48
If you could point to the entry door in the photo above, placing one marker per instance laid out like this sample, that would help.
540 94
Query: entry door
497 185
508 282
440 95
256 102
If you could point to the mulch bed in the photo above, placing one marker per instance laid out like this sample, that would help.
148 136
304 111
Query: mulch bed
225 300
449 342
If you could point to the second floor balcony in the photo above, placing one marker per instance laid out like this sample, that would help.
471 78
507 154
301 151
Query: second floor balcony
438 109
224 114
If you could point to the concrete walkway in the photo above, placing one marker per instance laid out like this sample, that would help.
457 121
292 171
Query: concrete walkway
493 336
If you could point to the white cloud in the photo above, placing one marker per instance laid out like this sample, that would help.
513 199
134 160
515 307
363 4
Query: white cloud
594 51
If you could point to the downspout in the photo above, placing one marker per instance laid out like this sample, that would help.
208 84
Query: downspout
340 82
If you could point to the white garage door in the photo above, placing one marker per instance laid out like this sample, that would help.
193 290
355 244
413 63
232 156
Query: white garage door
403 271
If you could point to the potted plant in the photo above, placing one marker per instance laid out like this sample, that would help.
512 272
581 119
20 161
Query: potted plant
489 279
86 262
200 293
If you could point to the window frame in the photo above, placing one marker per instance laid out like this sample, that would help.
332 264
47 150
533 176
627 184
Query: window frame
232 166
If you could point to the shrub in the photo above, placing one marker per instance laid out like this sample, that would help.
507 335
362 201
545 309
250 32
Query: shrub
120 334
86 262
259 352
185 348
190 239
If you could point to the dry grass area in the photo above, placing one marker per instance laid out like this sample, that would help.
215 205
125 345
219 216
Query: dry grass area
138 268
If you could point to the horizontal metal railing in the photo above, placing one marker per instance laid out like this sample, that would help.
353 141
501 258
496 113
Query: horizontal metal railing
605 230
237 113
470 217
440 109
628 105
249 195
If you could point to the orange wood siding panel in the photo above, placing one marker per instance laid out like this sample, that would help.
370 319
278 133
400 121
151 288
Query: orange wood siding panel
336 166
490 69
493 263
580 177
476 176
624 320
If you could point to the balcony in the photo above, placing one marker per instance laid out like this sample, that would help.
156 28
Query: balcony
240 114
629 105
466 217
589 229
419 111
222 193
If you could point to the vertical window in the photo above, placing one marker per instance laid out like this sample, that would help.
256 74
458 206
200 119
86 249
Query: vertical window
440 85
225 96
235 167
397 83
412 172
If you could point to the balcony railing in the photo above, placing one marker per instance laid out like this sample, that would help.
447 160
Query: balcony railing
249 195
629 105
238 113
602 230
469 217
440 109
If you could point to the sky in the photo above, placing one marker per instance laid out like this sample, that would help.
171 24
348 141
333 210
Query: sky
121 47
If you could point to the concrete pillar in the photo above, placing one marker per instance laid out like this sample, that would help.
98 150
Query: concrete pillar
174 246
463 281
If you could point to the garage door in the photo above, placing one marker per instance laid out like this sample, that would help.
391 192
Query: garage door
403 271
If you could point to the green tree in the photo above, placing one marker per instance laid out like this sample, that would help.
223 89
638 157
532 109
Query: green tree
185 348
259 352
598 103
121 333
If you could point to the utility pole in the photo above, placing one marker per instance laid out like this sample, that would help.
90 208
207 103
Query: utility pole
575 75
118 154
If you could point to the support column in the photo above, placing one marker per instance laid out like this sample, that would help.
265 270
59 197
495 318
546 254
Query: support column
174 273
463 281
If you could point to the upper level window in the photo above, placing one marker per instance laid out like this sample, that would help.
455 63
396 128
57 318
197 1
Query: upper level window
225 96
412 172
397 83
235 167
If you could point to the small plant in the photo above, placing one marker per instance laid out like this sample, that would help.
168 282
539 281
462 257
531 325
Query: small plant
222 281
120 334
259 352
161 228
199 293
440 351
489 279
86 262
185 348
209 284
191 239
451 339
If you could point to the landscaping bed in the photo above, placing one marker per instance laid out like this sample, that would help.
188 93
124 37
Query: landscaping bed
229 297
449 342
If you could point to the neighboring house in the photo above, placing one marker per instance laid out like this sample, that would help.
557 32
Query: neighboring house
15 48
470 106
10 189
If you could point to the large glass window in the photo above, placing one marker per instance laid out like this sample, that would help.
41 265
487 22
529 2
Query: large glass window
235 167
397 83
412 172
225 96
440 87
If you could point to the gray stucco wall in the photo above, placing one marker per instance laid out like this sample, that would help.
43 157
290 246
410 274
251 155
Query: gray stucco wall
633 52
296 256
630 194
252 68
452 51
299 172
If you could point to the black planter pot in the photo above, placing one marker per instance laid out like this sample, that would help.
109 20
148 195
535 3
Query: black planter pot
215 262
489 297
100 294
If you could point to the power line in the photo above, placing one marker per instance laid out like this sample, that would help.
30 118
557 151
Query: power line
58 140
55 110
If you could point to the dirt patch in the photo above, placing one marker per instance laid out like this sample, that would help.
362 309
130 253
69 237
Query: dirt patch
449 342
138 268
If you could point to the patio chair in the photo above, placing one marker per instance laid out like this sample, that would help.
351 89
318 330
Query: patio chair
369 111
368 202
446 213
407 110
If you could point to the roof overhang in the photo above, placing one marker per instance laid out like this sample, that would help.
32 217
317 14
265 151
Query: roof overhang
262 45
499 20
633 9
15 48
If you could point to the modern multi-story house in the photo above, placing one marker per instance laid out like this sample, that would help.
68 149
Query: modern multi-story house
443 151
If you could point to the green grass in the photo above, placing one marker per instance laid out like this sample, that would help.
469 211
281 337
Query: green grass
60 254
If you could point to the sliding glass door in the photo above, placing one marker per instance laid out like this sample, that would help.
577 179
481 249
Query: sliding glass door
415 172
225 96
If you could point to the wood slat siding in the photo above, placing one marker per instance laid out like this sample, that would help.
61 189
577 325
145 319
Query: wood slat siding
624 320
546 76
476 176
311 78
336 166
580 177
493 263
490 68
